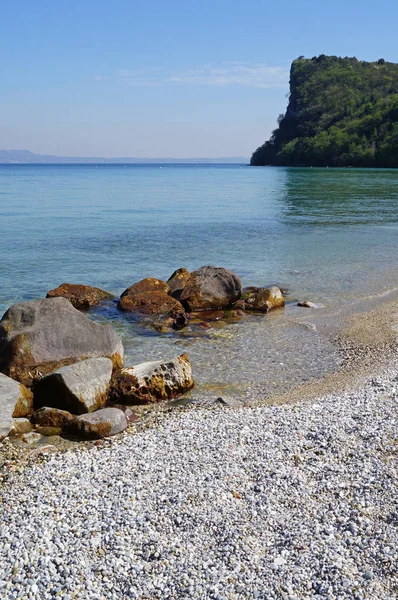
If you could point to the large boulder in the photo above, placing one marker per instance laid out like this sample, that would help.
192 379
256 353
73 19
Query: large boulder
51 417
16 401
40 336
211 288
151 303
178 281
153 381
99 424
149 284
263 299
81 296
78 388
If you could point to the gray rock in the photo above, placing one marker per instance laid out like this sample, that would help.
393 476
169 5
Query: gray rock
79 388
211 288
15 401
40 336
153 381
51 417
99 424
307 304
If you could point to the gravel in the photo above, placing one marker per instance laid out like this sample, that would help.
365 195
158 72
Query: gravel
289 502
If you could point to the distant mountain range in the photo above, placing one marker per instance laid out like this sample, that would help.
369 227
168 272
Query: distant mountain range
27 157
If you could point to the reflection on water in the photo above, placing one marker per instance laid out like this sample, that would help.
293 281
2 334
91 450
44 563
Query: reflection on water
326 235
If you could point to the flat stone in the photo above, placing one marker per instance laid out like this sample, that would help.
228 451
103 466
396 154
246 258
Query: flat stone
102 423
149 284
81 296
151 303
153 381
16 401
43 335
79 388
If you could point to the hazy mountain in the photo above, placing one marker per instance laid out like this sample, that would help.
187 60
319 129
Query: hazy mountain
27 157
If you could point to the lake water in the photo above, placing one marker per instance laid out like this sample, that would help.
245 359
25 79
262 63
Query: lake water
326 235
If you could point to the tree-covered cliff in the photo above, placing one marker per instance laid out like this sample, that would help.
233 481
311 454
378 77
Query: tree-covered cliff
341 112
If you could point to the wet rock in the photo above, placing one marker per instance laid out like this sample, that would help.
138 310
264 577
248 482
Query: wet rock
151 303
145 286
307 304
40 336
79 388
263 299
180 320
209 315
177 282
153 381
211 288
102 423
81 296
21 426
51 417
16 401
50 431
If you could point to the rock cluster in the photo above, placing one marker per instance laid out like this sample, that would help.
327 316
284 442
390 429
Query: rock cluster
191 297
60 369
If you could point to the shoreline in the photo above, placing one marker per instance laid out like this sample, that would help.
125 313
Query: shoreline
275 501
293 498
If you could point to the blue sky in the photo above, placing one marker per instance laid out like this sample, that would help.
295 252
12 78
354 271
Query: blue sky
166 78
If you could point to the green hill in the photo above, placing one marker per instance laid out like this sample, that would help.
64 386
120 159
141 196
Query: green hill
342 112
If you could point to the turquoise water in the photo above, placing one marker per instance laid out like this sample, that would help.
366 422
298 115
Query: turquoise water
324 234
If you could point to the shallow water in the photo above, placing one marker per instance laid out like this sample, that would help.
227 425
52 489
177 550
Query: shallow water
327 235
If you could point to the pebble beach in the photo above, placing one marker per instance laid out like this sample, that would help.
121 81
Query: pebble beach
281 501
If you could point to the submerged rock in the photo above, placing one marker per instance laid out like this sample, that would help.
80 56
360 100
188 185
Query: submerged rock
263 299
153 381
40 336
211 288
81 296
151 303
16 401
178 281
80 388
149 284
51 417
99 424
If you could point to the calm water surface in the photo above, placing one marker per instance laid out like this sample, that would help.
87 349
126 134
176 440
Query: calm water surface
327 235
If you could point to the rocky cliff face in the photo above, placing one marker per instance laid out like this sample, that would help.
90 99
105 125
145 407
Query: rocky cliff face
341 112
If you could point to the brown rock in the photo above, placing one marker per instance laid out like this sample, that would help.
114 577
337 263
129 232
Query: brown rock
151 303
263 299
211 288
81 296
153 381
40 336
51 417
177 282
209 315
149 284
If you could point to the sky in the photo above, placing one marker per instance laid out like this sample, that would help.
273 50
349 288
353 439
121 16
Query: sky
167 78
